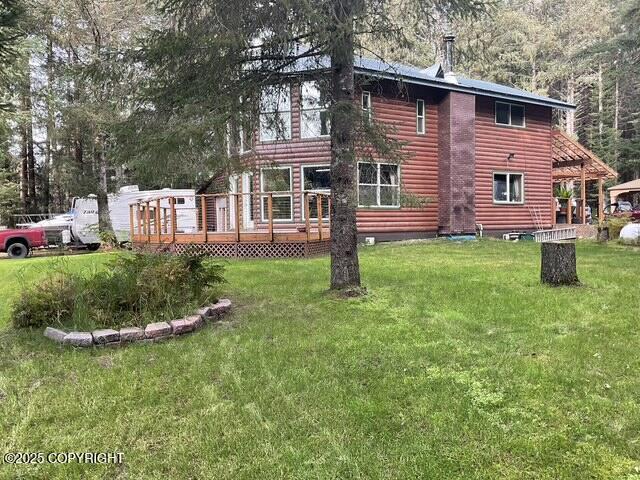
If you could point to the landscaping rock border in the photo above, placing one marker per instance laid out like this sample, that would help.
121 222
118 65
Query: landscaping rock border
153 332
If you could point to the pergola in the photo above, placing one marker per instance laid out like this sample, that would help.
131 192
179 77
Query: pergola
573 162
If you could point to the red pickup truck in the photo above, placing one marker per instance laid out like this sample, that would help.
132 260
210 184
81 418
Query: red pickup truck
18 243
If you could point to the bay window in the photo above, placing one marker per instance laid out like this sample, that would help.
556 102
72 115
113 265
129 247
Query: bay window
508 187
378 185
275 113
314 114
275 180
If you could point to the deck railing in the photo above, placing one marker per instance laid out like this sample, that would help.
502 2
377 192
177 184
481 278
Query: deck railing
231 217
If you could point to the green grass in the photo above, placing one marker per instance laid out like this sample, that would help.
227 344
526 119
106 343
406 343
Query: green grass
459 364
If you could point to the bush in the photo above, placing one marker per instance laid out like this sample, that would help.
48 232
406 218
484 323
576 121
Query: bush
615 225
132 289
46 303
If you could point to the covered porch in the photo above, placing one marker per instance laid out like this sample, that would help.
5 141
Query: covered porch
575 164
232 224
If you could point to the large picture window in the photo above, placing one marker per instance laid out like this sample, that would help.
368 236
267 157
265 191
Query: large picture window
275 180
275 113
378 185
314 113
509 114
316 178
508 187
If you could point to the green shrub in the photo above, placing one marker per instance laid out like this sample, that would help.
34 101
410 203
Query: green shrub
48 302
615 225
131 289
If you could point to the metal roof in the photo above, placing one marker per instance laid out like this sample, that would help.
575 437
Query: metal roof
432 76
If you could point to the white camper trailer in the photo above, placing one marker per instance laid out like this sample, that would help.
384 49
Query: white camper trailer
85 212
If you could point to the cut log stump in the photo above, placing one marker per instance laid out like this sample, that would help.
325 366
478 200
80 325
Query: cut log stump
559 263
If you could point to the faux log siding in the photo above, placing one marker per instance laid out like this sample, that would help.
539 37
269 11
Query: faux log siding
418 174
532 148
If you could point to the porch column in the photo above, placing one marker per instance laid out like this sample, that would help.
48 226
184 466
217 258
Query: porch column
600 201
583 193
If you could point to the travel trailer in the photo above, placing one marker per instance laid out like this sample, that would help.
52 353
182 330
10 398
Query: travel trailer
84 211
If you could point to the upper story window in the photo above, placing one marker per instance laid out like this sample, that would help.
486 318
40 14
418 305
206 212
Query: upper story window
314 114
508 187
420 117
378 185
275 113
510 114
366 104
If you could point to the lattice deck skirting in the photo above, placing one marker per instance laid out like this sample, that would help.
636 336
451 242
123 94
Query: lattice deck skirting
244 249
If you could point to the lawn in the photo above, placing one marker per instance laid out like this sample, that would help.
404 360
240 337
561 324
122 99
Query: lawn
458 364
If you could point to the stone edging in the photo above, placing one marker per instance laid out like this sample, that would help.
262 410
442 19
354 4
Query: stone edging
153 332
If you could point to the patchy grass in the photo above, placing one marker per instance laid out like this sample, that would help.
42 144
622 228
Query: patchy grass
458 364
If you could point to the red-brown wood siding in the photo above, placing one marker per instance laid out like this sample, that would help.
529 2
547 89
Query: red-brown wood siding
532 148
418 174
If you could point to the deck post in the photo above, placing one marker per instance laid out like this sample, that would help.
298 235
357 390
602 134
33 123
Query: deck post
237 200
270 212
307 221
147 221
319 207
172 202
164 220
139 217
570 210
583 194
203 210
157 221
131 226
600 201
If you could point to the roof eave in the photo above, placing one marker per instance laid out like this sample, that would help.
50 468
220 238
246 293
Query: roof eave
460 88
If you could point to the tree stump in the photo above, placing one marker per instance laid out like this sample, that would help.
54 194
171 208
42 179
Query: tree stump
559 263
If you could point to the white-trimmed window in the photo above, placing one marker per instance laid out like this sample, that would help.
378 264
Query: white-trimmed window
378 185
274 180
510 114
508 187
314 115
420 117
316 178
366 105
275 113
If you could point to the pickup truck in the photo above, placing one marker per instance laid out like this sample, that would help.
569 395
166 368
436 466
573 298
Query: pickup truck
17 243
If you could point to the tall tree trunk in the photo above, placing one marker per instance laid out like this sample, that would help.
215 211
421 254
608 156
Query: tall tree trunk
571 98
104 219
600 103
24 169
28 137
345 269
46 171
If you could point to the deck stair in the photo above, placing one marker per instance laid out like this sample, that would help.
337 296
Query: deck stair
555 234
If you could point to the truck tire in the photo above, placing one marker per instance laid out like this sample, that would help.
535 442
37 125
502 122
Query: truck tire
92 247
17 250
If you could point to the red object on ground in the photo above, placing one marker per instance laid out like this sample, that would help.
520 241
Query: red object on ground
19 242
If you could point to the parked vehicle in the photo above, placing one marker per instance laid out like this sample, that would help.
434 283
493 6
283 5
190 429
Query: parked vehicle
624 209
18 243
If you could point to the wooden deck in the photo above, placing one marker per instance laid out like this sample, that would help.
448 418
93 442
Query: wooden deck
159 225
